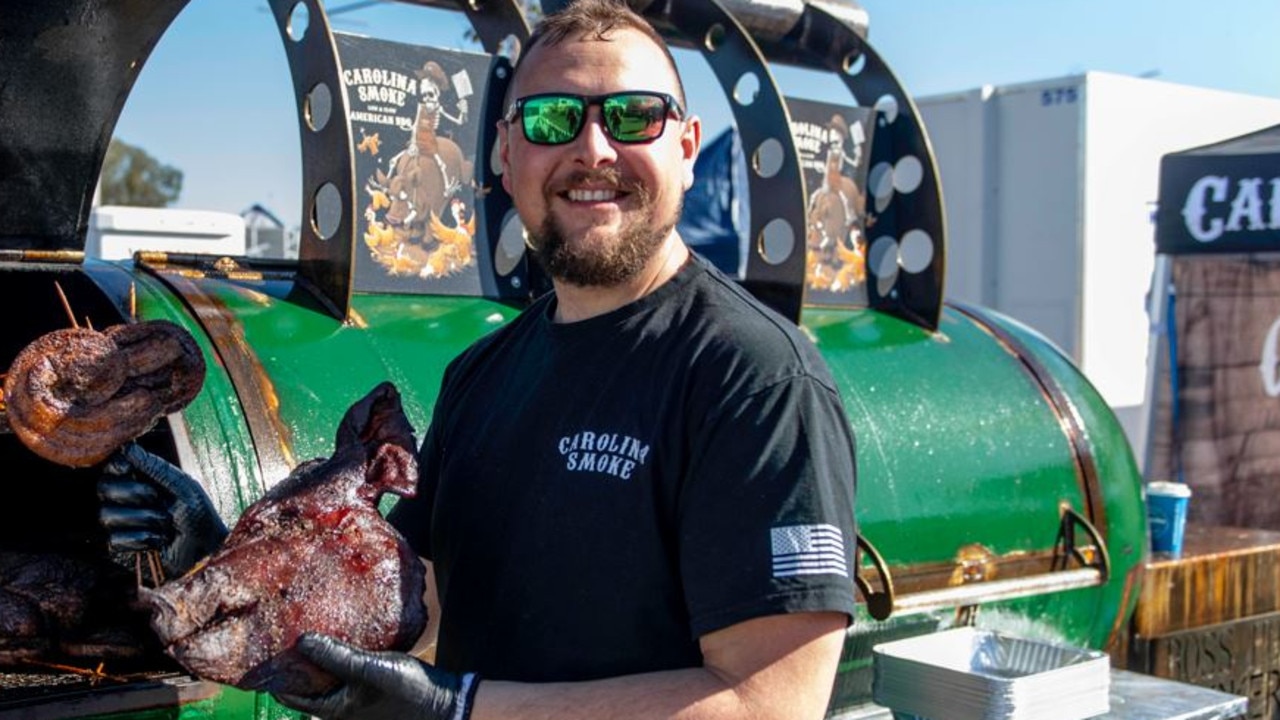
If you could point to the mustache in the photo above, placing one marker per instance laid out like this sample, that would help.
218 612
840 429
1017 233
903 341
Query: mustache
606 176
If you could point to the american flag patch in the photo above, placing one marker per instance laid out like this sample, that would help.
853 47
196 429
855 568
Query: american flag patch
808 550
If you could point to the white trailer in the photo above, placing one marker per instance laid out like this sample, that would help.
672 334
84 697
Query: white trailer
1050 189
117 232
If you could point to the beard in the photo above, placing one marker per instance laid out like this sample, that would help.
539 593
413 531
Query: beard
609 263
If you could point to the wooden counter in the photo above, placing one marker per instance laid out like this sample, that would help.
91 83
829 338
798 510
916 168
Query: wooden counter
1224 574
1212 616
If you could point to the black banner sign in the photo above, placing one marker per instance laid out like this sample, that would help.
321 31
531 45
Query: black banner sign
414 114
834 146
1216 203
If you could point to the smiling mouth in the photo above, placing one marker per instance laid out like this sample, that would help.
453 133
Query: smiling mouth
592 195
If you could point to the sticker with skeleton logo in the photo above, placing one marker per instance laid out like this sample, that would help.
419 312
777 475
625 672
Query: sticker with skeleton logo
415 131
834 144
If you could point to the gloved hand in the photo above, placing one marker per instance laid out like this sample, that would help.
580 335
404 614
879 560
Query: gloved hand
382 685
148 504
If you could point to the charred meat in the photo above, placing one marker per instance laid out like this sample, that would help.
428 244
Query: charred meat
75 395
56 606
313 554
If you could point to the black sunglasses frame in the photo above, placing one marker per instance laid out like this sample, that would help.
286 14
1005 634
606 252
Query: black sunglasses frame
671 108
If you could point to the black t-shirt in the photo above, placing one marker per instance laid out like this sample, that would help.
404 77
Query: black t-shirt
597 495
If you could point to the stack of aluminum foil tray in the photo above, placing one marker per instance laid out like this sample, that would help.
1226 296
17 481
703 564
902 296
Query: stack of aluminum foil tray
970 674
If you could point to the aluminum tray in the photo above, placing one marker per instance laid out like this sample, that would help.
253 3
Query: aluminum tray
970 674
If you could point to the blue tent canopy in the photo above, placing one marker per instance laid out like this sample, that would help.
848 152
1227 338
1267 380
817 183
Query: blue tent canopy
716 217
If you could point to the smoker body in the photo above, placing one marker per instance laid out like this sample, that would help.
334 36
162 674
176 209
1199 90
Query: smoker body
965 463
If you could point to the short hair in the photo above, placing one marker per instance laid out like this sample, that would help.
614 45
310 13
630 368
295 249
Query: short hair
594 19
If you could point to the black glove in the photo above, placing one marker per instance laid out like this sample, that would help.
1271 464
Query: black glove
148 504
382 685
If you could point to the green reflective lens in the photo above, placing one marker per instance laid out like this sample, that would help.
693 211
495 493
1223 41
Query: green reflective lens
628 117
634 118
552 120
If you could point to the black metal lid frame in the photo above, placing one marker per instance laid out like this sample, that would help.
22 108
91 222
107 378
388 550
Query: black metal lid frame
66 68
329 191
906 253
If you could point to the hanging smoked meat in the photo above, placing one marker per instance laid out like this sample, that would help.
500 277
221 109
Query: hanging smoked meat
74 396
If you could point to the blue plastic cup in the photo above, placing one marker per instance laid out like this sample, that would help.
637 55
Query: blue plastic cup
1167 513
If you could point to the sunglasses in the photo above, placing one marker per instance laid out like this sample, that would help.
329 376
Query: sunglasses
629 117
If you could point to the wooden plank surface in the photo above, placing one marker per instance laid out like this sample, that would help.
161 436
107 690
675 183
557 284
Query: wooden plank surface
1224 574
1227 443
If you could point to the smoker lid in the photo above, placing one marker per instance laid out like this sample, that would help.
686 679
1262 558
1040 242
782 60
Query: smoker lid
66 67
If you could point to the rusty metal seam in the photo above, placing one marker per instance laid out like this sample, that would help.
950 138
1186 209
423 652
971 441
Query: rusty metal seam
252 385
1068 415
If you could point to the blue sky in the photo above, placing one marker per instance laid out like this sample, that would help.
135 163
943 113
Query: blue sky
215 99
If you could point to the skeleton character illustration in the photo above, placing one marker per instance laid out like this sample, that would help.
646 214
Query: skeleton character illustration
835 259
422 181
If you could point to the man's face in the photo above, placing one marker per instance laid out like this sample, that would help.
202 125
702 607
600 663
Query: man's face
597 210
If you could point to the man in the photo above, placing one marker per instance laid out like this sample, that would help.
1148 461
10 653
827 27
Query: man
637 497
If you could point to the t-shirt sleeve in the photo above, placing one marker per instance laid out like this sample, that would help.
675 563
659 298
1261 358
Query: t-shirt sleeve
766 515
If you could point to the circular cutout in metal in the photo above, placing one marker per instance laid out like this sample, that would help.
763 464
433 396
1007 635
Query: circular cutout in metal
882 259
908 174
887 106
880 183
318 107
777 241
854 63
714 37
885 286
916 253
509 48
299 20
510 245
768 157
326 211
495 158
746 89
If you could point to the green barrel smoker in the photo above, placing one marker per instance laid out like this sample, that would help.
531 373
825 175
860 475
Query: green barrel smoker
996 488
